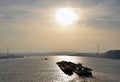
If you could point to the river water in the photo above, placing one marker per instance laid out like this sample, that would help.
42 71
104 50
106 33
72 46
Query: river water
37 69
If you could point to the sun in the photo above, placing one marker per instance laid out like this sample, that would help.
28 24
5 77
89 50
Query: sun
66 16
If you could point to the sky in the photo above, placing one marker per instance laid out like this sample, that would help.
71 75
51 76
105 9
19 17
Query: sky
30 26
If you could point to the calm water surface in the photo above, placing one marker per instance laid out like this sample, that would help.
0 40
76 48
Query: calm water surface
37 69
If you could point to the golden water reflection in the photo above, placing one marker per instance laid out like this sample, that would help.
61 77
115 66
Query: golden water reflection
70 58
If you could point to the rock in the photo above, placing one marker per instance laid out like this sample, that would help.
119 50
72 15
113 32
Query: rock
69 68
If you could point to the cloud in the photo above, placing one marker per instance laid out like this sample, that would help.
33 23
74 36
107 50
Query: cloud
105 15
97 13
31 22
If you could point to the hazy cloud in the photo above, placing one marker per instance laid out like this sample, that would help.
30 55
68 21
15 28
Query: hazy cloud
31 22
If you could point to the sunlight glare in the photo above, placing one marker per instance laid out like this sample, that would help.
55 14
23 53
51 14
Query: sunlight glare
68 58
66 16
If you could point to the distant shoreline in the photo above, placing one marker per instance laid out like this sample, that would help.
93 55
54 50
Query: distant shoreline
11 56
111 54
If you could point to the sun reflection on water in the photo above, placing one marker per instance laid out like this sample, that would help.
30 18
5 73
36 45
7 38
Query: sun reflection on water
70 58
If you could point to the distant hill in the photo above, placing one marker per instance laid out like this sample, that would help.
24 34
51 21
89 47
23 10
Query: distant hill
112 54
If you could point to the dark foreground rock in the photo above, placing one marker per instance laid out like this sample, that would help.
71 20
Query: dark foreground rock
69 68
